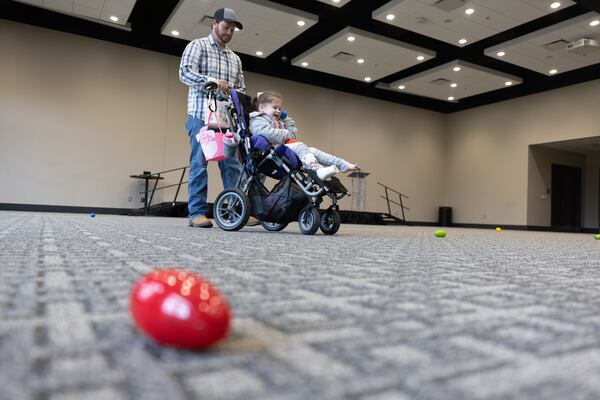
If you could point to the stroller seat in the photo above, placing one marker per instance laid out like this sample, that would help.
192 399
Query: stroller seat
260 143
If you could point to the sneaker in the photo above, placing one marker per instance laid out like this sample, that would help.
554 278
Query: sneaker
201 222
252 222
327 172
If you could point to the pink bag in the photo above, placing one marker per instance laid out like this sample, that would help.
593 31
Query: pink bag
211 142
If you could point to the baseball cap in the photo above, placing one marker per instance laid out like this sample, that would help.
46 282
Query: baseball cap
227 14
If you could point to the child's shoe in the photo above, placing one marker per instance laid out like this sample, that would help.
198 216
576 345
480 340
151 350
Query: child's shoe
327 172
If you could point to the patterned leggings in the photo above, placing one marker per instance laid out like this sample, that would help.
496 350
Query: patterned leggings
314 158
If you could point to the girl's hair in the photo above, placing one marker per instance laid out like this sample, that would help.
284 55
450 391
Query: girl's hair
264 98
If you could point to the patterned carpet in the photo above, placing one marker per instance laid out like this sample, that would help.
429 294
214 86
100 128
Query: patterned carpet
371 313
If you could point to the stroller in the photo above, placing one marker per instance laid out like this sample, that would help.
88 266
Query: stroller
296 196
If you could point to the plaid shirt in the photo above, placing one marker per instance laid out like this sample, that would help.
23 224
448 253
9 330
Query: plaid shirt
202 61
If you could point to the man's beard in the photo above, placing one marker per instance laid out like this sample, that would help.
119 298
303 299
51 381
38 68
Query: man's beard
221 37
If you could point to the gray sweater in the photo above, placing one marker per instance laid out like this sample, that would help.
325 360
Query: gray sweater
262 124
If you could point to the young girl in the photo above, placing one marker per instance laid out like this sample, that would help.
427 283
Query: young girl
267 121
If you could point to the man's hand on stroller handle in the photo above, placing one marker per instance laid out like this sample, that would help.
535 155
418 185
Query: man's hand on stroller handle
223 85
218 88
214 85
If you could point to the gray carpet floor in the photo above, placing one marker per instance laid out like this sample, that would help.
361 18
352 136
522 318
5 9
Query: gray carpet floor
373 313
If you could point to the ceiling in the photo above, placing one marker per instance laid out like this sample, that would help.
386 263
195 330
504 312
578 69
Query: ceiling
404 51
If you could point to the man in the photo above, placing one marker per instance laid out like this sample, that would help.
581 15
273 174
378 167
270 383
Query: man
203 60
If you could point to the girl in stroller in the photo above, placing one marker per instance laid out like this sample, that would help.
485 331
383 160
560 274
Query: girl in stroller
271 122
297 195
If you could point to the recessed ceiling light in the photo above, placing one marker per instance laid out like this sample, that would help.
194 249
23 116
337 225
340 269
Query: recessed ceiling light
259 53
420 58
304 64
301 23
351 38
360 61
462 41
390 17
595 22
508 83
367 79
500 54
451 98
175 33
336 1
114 19
453 85
556 4
456 69
469 11
553 71
401 87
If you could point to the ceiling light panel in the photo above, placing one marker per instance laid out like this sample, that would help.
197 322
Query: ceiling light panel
447 20
100 10
383 56
267 26
438 82
339 3
561 47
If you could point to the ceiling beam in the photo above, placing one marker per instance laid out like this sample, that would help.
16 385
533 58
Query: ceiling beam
592 5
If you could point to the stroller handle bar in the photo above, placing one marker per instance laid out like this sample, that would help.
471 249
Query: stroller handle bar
212 89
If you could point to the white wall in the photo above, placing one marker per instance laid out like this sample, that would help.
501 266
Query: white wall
79 115
488 149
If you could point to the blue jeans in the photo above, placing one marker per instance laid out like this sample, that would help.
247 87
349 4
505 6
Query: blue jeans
198 177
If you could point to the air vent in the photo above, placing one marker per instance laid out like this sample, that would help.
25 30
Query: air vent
421 20
343 56
556 45
440 82
206 21
448 5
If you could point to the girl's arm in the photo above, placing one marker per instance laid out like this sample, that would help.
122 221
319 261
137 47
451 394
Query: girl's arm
290 125
260 125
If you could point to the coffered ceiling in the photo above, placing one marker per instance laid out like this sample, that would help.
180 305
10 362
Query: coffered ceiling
403 51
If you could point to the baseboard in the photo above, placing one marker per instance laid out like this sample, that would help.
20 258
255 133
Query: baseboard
368 218
63 209
421 223
511 227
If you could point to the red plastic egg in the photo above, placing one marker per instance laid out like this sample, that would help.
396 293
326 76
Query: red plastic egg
180 309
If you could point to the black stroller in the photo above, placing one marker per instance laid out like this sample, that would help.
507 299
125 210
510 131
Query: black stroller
297 194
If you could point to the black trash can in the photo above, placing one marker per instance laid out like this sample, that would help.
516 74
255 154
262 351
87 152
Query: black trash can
445 216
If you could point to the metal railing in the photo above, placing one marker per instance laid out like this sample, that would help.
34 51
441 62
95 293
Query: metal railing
398 203
158 176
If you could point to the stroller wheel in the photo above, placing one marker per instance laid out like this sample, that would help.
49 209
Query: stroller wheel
330 221
309 220
231 210
273 226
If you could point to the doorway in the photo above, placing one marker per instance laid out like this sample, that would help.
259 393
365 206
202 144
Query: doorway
566 197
